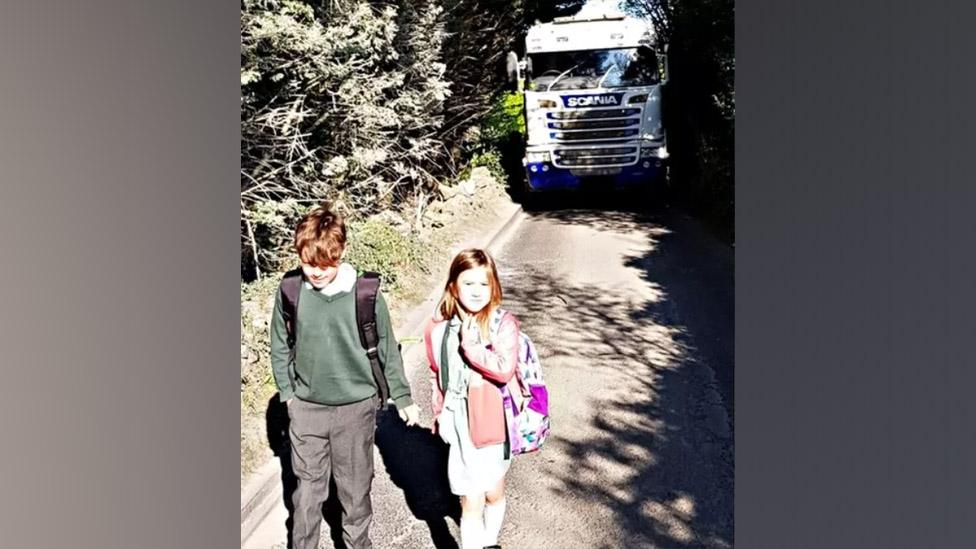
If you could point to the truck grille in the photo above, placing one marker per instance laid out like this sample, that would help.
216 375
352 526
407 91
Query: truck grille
593 157
591 135
593 124
590 114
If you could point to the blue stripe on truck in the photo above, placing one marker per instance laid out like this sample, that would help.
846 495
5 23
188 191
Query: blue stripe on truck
558 178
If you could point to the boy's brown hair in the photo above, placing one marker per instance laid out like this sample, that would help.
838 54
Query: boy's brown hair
320 236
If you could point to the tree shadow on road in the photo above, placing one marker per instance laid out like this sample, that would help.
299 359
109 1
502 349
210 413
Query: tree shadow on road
664 422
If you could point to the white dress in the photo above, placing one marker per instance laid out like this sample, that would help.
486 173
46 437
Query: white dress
470 470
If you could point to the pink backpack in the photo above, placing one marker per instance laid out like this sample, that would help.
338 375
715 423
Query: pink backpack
528 427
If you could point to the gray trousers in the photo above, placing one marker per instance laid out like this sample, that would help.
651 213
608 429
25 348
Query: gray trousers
336 440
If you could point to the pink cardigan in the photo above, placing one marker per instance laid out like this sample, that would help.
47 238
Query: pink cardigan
493 364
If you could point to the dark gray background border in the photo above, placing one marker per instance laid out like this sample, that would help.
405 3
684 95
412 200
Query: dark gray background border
854 275
119 159
118 221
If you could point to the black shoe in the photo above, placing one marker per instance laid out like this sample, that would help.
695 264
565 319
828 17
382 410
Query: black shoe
493 547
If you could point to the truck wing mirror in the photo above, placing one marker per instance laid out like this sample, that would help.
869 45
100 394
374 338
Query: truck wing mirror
512 68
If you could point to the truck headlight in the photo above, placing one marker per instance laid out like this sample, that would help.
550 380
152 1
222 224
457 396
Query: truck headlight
652 152
637 99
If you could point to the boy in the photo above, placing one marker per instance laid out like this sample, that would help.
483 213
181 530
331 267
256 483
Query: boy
328 386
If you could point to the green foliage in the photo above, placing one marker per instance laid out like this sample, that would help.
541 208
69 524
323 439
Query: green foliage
257 299
699 100
479 35
703 69
322 99
337 102
491 159
489 145
268 228
358 102
547 10
507 116
257 381
376 245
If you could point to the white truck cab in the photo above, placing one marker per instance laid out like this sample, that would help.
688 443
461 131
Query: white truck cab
592 90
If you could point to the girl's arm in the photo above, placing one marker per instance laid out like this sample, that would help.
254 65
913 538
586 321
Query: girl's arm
495 360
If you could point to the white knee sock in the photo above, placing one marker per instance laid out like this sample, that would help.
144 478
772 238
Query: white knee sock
472 533
494 515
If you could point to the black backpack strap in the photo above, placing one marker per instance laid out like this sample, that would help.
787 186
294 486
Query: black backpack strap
367 288
291 289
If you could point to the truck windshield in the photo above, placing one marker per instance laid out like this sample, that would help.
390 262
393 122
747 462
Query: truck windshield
614 68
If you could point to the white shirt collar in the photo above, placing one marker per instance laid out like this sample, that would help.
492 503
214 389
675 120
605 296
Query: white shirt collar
344 281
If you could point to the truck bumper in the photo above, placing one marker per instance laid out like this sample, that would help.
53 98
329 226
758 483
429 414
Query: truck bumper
544 176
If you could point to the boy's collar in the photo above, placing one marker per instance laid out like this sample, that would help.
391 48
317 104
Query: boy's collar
344 281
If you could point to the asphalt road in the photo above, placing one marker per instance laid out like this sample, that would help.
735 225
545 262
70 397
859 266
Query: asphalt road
633 317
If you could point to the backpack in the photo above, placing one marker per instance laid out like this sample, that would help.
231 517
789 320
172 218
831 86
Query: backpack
528 427
366 289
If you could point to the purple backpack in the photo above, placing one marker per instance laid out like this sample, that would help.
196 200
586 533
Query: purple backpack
528 427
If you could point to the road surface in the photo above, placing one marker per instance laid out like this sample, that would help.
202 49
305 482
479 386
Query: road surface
632 314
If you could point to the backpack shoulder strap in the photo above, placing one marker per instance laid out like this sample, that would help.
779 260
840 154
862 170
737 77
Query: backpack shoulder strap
367 289
291 289
496 320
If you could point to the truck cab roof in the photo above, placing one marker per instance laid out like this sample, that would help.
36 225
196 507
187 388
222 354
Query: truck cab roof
589 32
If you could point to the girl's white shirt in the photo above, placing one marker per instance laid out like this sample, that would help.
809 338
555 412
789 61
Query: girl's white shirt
344 281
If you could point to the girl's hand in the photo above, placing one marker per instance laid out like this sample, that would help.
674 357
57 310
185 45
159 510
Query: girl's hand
470 330
410 415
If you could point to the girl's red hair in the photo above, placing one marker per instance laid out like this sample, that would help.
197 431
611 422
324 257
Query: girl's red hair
450 304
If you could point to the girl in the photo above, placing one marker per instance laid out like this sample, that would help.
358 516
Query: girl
470 363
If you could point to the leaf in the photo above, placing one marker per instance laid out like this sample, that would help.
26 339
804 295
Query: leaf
249 76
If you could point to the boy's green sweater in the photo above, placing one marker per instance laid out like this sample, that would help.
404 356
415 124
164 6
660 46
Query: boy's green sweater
331 366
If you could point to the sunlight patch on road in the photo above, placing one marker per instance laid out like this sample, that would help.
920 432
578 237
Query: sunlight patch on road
671 518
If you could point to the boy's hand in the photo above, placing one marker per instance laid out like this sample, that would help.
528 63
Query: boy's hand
410 414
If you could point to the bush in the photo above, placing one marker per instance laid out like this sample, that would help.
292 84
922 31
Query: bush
257 381
491 159
504 118
699 101
375 245
268 228
341 101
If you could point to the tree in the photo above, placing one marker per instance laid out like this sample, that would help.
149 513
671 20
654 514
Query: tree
700 99
340 100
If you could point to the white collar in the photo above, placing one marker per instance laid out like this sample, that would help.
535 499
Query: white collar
344 281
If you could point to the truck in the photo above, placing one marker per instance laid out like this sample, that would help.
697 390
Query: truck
592 87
